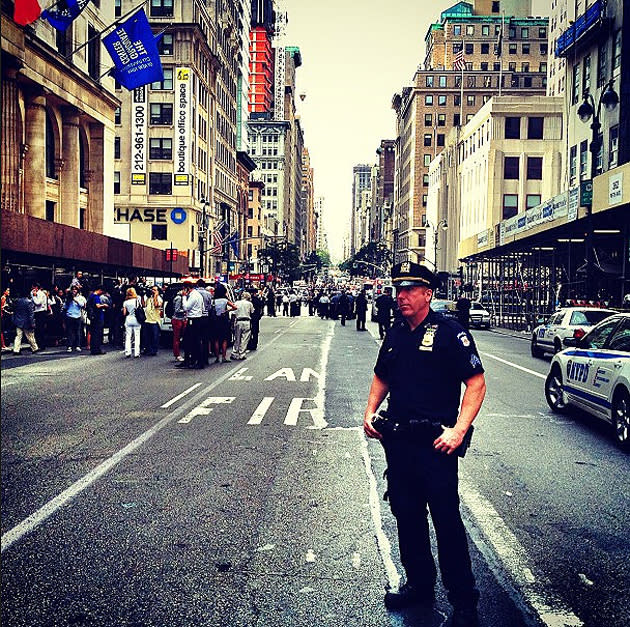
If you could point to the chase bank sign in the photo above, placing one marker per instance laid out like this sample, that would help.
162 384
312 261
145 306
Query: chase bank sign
151 215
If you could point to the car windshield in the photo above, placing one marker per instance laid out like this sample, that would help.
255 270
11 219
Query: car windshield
475 306
439 305
589 317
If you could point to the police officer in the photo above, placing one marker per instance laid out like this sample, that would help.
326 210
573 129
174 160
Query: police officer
422 363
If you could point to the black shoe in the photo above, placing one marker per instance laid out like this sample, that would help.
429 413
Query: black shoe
465 617
408 595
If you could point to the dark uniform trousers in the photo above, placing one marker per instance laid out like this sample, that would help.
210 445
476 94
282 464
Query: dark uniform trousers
418 478
192 340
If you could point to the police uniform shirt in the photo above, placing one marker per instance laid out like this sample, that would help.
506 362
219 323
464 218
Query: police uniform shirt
424 368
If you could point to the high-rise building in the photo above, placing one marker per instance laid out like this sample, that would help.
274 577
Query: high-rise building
361 180
383 195
472 54
261 88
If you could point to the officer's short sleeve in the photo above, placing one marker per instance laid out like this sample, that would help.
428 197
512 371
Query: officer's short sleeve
466 358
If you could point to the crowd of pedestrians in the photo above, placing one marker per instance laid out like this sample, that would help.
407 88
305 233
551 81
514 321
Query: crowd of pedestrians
204 319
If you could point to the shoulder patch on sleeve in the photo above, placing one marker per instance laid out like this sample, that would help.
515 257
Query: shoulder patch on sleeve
475 361
463 339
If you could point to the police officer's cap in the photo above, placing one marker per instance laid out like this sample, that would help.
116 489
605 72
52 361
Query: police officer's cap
410 274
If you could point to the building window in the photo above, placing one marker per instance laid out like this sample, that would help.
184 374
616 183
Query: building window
525 67
165 44
50 211
427 139
425 180
116 147
534 168
161 8
161 148
428 100
485 48
485 30
512 49
117 118
512 66
542 33
510 168
116 182
441 119
616 64
469 117
496 6
470 49
440 139
442 81
470 100
535 128
575 95
457 100
532 200
117 8
424 200
160 183
510 205
583 160
161 113
457 47
526 48
429 81
527 81
51 172
613 147
158 232
512 128
427 160
457 29
496 67
524 33
442 100
599 161
572 166
456 119
602 63
428 119
94 52
484 68
470 29
544 50
542 68
586 75
166 82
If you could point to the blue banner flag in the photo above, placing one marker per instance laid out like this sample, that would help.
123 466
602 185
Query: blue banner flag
233 241
133 49
64 12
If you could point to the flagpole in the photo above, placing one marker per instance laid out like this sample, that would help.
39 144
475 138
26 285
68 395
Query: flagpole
97 35
114 67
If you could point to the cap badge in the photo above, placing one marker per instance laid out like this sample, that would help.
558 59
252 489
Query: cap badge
405 266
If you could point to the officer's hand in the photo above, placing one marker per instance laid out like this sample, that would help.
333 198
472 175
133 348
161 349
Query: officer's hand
448 441
370 431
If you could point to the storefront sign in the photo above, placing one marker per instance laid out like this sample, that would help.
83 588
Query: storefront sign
586 193
615 188
574 204
139 136
178 215
482 239
144 214
183 126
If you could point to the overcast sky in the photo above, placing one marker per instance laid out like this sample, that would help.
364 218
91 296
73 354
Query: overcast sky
355 56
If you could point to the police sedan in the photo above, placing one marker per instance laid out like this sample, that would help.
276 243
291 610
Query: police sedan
593 373
567 322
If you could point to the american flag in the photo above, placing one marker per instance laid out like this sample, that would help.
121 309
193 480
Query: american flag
218 235
460 60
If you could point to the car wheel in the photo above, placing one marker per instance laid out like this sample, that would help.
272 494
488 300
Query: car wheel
536 351
557 346
621 418
554 393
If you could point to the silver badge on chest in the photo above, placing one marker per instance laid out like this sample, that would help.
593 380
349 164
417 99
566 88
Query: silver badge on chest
428 338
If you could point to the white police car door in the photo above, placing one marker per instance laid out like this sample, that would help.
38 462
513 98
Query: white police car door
588 377
546 333
612 361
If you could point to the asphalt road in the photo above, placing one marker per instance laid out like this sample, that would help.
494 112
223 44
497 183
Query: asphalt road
134 493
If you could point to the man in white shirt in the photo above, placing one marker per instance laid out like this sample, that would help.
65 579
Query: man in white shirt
40 304
243 325
192 302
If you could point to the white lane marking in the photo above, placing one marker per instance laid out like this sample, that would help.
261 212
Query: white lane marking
509 363
203 409
306 375
310 556
295 408
536 592
261 410
238 375
179 396
356 560
44 512
382 542
319 422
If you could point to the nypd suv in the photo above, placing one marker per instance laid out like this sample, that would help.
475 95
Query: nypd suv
593 373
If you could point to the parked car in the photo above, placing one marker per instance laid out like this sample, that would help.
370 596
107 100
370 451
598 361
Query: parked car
447 308
567 322
594 375
479 316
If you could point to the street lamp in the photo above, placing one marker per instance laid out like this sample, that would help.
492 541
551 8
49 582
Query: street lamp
443 224
203 234
585 112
